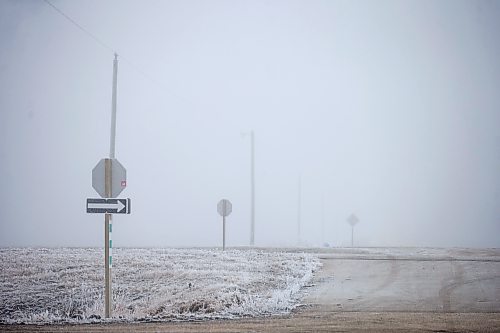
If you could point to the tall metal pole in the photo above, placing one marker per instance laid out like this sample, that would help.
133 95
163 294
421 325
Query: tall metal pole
252 179
113 110
299 213
108 218
322 219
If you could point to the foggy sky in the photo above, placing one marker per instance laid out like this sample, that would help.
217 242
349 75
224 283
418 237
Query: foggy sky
386 109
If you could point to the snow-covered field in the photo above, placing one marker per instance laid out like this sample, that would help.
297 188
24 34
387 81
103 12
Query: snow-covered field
39 285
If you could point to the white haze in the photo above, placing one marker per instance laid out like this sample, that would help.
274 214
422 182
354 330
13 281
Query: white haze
387 109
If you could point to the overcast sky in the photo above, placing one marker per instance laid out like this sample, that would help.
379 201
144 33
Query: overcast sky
386 109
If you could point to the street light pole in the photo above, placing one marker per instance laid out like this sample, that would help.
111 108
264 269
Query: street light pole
323 219
299 212
252 186
252 180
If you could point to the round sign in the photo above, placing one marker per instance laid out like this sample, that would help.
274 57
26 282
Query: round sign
224 207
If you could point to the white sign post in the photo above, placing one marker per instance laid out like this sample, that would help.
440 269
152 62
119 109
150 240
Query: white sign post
352 220
109 179
224 208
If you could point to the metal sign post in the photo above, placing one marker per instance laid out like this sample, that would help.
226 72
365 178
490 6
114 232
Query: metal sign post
109 179
224 208
352 220
108 220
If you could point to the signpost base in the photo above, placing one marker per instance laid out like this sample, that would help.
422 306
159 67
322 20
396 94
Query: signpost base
107 265
223 233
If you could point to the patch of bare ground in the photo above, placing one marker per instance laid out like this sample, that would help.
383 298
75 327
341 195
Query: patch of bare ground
307 320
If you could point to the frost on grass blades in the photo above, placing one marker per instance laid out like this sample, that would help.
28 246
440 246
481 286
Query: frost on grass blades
66 284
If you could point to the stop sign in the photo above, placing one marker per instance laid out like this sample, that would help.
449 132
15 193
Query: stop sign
353 220
118 178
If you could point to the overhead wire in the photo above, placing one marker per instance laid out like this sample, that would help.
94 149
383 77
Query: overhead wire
88 33
112 50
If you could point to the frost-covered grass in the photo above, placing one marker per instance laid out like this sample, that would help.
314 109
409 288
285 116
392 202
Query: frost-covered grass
67 284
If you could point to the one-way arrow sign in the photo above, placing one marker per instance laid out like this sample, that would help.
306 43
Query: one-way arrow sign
108 206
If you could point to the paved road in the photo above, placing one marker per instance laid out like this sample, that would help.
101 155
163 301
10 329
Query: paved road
370 291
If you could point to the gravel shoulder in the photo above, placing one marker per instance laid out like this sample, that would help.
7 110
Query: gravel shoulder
309 320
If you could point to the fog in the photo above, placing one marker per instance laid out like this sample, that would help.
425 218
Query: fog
389 110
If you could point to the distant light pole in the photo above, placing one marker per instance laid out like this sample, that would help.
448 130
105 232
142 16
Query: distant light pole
299 213
323 219
352 220
252 187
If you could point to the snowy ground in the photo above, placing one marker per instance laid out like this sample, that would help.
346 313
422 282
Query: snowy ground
40 285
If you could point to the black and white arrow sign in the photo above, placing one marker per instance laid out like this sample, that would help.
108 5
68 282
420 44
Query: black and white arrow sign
108 206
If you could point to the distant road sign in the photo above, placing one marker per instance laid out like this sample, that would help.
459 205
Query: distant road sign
108 206
224 207
118 178
353 220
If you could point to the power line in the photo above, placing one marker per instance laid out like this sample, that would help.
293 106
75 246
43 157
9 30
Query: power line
109 48
91 35
99 41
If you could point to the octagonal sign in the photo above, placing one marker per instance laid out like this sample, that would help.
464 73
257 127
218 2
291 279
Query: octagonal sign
118 178
353 220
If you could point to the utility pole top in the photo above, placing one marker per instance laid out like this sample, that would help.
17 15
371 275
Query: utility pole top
113 109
